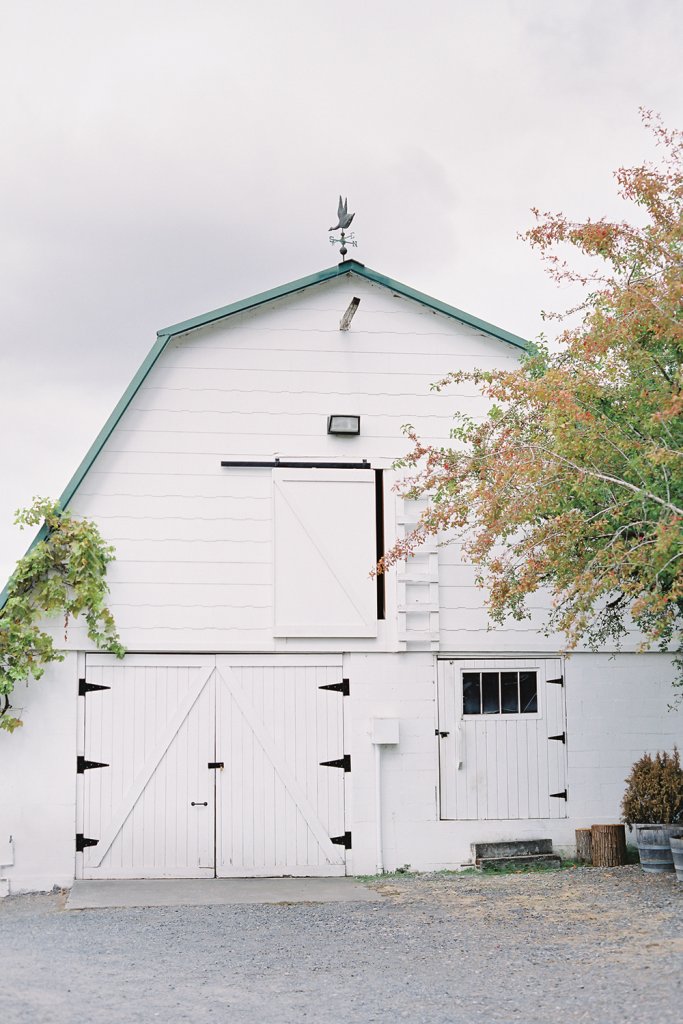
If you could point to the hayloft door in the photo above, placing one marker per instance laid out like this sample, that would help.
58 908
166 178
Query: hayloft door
502 739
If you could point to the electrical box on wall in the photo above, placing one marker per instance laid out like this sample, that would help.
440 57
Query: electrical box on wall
384 731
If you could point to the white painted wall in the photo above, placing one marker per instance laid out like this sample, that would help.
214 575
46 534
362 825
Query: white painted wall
616 710
38 782
194 567
194 540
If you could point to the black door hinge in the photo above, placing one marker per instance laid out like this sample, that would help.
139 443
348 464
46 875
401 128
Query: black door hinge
82 842
560 736
83 766
558 682
560 796
344 840
344 687
341 762
84 687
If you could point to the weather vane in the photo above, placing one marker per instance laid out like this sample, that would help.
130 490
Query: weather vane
345 219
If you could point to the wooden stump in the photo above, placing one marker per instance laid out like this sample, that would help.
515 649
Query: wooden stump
609 845
584 845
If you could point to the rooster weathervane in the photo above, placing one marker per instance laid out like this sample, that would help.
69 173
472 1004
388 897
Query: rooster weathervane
344 220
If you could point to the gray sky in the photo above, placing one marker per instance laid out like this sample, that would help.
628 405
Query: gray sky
164 157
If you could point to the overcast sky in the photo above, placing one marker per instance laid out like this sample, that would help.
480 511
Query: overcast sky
164 157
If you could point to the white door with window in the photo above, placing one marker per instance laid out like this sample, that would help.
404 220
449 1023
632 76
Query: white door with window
502 739
203 766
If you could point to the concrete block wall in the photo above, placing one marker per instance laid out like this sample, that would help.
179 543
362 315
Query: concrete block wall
38 783
617 708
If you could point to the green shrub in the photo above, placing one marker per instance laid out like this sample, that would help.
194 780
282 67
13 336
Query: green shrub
654 790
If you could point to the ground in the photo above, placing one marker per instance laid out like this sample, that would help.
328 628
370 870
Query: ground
582 944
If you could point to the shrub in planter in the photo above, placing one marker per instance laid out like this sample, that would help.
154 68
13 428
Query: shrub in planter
653 804
654 790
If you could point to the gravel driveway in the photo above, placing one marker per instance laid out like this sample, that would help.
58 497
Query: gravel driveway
576 945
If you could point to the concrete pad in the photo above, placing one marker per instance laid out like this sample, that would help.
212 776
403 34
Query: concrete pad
89 894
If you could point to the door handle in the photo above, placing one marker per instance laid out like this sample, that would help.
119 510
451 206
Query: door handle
442 735
199 803
215 764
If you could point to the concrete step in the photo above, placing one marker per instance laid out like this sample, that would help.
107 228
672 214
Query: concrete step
513 848
550 860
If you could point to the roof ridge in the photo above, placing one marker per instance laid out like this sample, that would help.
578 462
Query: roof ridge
329 274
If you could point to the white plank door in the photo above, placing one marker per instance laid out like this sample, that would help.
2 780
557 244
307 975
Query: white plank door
151 810
501 752
277 807
324 549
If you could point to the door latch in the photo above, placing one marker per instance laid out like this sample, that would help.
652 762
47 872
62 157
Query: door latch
215 764
442 735
199 803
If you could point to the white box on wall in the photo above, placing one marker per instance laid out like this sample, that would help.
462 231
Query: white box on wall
384 731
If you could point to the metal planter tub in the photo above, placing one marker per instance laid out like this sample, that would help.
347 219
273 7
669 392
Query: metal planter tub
676 843
654 847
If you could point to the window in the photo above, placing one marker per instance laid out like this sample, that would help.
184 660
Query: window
500 693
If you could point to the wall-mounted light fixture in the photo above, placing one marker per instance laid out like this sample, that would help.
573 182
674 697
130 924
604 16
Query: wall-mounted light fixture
343 424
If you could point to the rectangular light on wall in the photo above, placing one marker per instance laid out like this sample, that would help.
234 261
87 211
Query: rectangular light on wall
343 424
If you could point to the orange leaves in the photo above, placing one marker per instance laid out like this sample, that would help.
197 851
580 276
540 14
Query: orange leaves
574 481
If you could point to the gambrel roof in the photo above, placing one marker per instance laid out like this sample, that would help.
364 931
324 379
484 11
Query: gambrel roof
349 267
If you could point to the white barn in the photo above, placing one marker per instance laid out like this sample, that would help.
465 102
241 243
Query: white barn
279 712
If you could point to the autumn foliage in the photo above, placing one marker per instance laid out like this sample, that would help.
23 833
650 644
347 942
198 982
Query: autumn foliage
573 482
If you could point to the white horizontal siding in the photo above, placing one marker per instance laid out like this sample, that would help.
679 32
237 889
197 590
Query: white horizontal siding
165 549
180 507
193 539
217 442
208 423
230 360
189 573
308 397
102 484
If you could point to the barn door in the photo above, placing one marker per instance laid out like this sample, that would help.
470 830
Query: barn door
147 804
324 545
279 807
502 751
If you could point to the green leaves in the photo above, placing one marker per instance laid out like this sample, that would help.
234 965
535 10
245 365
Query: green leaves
65 575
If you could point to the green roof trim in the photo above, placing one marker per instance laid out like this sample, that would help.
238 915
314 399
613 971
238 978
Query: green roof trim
164 336
99 442
349 267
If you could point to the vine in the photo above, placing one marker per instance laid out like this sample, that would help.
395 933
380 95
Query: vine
63 574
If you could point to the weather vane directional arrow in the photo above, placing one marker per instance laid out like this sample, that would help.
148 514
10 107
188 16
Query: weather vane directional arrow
344 220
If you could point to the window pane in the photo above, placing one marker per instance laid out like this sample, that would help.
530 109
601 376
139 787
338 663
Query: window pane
471 693
509 693
527 692
490 693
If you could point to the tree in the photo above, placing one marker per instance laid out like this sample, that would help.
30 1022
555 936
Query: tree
573 482
63 574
